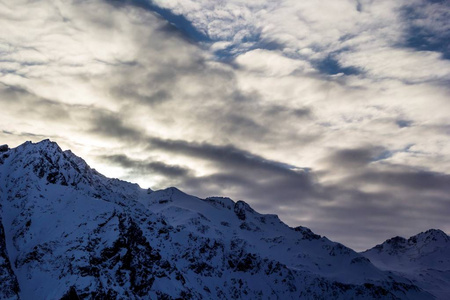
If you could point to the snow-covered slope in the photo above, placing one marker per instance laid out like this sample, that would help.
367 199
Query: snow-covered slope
423 258
69 231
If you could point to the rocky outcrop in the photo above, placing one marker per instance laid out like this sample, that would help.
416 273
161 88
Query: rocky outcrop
9 287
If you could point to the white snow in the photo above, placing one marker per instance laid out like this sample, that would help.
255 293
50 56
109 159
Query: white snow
68 226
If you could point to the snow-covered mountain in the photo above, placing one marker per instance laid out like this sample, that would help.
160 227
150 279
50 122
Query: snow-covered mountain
69 232
423 258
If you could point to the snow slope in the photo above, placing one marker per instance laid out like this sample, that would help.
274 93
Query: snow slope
423 258
70 231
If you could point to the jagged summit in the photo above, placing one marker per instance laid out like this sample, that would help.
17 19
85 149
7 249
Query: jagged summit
44 145
429 236
4 148
69 230
48 162
423 258
433 237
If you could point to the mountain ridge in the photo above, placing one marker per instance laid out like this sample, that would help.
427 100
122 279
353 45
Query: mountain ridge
423 258
69 229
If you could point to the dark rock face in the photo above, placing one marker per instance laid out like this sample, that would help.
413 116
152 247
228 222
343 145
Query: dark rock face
71 294
307 233
240 209
9 287
131 256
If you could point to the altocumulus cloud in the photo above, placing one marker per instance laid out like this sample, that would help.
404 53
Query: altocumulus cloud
329 114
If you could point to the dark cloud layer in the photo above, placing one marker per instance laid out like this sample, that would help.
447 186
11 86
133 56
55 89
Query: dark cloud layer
414 180
145 167
251 174
354 158
109 124
226 155
246 174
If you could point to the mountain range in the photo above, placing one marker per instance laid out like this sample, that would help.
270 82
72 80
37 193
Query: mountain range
68 232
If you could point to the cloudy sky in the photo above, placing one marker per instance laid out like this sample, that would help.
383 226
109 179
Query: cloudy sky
334 115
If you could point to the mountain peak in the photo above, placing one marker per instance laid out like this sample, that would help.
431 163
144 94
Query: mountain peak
46 160
424 258
44 144
78 229
46 147
429 236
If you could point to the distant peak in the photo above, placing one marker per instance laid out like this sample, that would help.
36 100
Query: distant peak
434 232
396 240
44 144
430 236
174 191
47 143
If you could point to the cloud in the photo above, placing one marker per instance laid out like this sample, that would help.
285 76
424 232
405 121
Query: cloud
226 156
147 166
354 158
347 37
400 64
108 124
422 181
232 172
427 26
270 63
325 113
387 201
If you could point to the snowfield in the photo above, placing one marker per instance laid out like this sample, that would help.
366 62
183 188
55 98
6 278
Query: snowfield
68 231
